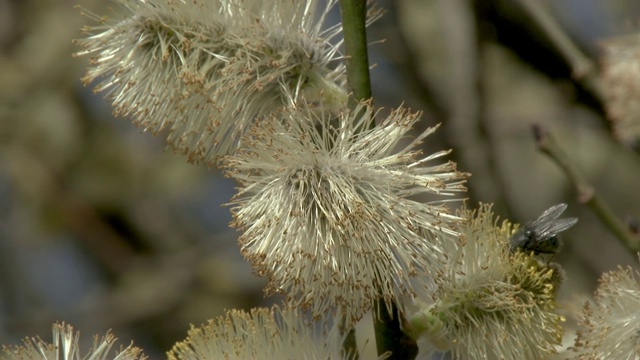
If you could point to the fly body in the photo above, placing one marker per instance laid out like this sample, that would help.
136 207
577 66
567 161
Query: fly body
540 236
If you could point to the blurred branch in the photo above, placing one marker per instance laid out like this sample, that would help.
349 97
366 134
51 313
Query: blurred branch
586 193
462 113
583 69
80 218
465 123
90 228
407 62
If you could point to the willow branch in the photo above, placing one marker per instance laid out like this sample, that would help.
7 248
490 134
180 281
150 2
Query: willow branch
354 14
583 69
389 337
585 191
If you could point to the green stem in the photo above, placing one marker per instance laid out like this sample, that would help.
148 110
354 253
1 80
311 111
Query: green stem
586 193
349 345
389 337
354 13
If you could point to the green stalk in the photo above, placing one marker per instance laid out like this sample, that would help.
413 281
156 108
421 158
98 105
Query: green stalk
389 337
354 14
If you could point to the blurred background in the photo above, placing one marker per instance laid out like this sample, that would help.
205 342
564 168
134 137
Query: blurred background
103 228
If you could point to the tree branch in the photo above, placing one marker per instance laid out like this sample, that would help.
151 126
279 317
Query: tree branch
586 193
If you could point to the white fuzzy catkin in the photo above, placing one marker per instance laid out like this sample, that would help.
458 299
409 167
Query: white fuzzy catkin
261 334
328 209
205 70
621 85
487 303
65 347
610 324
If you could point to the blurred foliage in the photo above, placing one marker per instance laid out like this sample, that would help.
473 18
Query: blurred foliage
102 228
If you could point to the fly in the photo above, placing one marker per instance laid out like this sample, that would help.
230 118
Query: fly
540 236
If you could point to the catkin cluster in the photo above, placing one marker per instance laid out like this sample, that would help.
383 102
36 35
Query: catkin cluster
327 201
329 197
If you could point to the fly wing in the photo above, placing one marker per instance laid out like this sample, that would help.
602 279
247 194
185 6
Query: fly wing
548 216
537 235
554 227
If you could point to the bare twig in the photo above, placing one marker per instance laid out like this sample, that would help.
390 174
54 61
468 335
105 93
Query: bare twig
584 70
585 191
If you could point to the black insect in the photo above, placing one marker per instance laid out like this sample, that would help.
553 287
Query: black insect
540 236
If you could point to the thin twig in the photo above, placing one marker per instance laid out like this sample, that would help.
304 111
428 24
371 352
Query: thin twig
585 191
583 68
